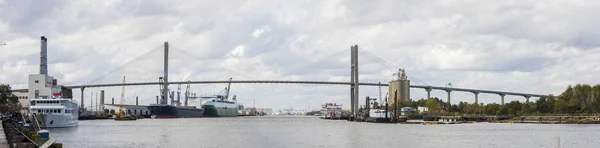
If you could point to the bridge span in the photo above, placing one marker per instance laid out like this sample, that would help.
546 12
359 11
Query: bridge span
428 89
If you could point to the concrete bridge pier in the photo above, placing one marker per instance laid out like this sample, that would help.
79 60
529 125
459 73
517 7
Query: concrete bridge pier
476 97
502 98
449 91
527 99
81 103
428 89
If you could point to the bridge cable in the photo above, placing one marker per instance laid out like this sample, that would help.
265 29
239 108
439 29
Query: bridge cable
302 67
386 64
124 65
196 57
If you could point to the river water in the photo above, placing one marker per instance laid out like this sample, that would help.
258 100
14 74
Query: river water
306 132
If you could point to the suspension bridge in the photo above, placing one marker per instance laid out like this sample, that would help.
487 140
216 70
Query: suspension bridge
354 83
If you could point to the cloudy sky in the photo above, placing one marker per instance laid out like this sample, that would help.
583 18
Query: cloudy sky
532 46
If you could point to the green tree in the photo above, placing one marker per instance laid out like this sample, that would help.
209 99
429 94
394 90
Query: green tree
550 103
524 109
433 105
112 111
9 103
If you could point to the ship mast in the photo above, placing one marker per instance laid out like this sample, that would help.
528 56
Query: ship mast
228 88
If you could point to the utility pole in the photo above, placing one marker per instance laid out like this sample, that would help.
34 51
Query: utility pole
96 101
380 98
91 100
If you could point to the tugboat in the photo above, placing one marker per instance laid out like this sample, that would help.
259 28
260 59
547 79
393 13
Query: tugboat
122 116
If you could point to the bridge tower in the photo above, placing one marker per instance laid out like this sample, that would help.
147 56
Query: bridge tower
165 90
354 80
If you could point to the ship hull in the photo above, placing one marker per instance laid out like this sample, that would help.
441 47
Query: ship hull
168 111
59 120
216 109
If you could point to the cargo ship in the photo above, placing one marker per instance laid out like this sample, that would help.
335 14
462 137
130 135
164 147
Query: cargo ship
170 111
219 106
175 110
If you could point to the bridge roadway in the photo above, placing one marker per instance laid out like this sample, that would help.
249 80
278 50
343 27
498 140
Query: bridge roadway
427 88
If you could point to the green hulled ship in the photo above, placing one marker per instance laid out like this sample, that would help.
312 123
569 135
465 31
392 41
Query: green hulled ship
219 106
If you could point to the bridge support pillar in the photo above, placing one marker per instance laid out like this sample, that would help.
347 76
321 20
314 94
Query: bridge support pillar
527 99
502 98
449 91
428 92
354 79
476 97
81 103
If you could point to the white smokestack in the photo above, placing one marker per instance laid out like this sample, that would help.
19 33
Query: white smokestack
43 56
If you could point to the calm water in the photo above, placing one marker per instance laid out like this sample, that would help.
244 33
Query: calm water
290 131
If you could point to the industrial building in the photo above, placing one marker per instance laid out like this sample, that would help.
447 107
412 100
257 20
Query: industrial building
42 85
399 89
23 100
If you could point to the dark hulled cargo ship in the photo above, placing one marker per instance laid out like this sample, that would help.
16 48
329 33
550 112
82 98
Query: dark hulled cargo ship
170 111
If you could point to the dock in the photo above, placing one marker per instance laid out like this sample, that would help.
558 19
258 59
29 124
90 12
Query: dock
17 132
3 140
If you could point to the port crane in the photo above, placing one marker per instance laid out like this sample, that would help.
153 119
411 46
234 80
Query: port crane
123 116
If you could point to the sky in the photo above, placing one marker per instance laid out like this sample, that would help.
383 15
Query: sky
528 46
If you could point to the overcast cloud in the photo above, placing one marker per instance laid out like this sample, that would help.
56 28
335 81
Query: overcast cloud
529 46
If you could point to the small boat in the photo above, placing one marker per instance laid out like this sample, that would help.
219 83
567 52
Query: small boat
122 117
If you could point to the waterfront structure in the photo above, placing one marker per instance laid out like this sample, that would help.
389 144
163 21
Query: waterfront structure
421 109
406 110
52 102
251 111
399 90
23 100
267 111
331 110
377 113
128 109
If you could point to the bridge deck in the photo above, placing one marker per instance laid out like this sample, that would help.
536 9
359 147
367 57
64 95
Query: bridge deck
305 82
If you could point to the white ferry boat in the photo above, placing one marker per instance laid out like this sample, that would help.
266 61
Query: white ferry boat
55 111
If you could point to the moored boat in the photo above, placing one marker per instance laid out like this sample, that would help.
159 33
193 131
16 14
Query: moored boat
219 106
56 111
170 111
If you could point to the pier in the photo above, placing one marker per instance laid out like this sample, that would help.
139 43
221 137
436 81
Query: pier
3 141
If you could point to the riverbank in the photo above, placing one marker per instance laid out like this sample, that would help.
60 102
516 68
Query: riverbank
476 119
20 133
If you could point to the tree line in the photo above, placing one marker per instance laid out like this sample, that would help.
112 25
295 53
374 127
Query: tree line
575 100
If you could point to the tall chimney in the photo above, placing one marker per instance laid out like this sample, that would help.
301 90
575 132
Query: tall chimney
43 56
156 99
136 101
113 101
102 100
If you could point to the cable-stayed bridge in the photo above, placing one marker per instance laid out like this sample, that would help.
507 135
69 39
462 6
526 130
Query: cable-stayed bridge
354 82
